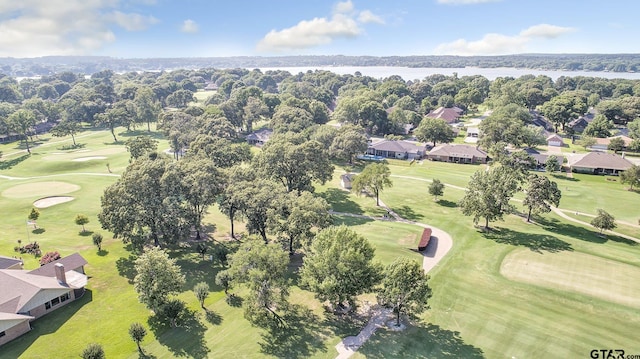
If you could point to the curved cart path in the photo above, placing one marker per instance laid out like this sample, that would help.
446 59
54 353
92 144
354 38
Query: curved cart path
439 245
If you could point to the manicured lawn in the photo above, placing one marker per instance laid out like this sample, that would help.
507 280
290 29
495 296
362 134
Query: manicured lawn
478 308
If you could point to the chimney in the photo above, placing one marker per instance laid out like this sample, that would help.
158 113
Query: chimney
60 276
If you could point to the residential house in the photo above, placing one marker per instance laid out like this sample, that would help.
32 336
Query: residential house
541 158
346 179
600 163
555 140
449 114
28 295
458 154
540 121
473 134
579 124
398 149
259 137
603 143
10 263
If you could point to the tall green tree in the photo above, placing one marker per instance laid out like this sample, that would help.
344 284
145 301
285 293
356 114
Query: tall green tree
93 351
295 162
296 218
436 189
348 142
374 178
603 221
563 108
22 122
339 266
201 290
552 164
405 288
66 128
616 144
434 130
81 220
147 107
262 269
631 176
140 145
541 193
256 200
488 194
157 278
137 332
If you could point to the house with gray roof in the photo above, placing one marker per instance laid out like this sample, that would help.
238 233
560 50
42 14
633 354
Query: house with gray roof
259 137
541 158
28 295
10 263
398 149
458 154
600 163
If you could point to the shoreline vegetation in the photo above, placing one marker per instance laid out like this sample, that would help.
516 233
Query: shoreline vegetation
42 66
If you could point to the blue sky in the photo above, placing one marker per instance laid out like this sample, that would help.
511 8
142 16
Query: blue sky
192 28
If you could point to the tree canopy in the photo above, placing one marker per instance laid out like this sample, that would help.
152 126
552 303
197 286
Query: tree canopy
157 278
405 288
374 178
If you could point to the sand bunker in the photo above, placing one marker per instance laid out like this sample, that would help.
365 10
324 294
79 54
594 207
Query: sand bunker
40 189
51 201
83 159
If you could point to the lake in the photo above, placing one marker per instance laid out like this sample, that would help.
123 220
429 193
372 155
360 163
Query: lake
413 73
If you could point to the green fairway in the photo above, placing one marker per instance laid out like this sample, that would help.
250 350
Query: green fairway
550 289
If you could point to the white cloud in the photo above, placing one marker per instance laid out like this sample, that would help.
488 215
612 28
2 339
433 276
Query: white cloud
499 44
343 7
546 31
464 2
345 23
30 28
133 22
367 17
189 26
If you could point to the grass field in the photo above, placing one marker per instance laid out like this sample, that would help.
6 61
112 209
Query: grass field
550 289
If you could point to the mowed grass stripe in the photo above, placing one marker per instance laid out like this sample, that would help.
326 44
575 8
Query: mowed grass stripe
601 278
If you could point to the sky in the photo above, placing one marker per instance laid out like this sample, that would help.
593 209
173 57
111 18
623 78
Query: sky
211 28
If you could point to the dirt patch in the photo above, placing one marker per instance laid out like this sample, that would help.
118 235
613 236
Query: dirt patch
84 159
575 272
40 189
51 201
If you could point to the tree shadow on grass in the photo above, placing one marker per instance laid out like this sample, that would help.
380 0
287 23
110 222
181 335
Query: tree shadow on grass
103 252
419 342
38 231
126 267
212 317
85 233
407 212
344 324
234 300
300 337
536 242
186 340
446 203
564 177
339 220
579 232
8 164
340 202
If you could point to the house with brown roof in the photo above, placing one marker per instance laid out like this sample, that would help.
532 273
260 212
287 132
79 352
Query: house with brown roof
600 163
28 295
603 143
555 140
398 149
458 154
449 114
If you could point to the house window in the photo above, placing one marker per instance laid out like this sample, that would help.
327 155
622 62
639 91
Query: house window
55 301
47 305
2 334
65 297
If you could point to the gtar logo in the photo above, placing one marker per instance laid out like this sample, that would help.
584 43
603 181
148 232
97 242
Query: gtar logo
607 354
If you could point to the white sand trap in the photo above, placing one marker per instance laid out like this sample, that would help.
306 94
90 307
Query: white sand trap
40 189
84 159
51 201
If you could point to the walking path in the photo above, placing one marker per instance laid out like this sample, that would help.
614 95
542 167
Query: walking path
439 245
561 213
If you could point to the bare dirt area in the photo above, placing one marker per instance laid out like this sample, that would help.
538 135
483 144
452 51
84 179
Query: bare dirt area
51 201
